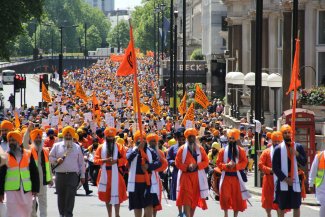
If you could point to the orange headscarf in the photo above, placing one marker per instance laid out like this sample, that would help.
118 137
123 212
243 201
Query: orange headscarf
152 136
35 133
234 133
190 132
277 135
16 135
286 127
110 132
7 125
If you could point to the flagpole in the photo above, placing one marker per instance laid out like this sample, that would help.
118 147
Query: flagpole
136 83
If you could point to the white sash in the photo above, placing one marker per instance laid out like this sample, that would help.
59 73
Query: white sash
203 181
284 169
244 192
103 178
131 182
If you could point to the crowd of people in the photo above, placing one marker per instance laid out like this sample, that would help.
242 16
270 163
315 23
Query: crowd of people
95 139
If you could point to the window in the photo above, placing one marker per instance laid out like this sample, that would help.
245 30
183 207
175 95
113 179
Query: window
280 45
321 67
321 27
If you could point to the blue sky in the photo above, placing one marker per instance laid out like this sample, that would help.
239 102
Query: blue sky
124 4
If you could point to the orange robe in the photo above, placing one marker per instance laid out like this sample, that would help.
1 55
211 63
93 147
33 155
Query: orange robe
265 165
121 161
230 193
164 165
189 187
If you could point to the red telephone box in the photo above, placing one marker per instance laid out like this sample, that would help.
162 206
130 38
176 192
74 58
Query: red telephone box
305 133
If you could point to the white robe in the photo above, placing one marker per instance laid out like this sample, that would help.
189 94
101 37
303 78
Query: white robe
320 191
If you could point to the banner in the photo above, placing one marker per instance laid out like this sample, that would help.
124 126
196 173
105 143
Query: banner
200 97
80 92
189 115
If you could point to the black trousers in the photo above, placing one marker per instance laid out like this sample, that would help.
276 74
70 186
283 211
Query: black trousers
66 188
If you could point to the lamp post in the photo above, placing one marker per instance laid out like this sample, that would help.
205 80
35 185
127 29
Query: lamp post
258 78
162 8
171 58
158 46
175 62
118 33
249 81
264 86
235 78
155 37
85 51
61 52
275 83
184 44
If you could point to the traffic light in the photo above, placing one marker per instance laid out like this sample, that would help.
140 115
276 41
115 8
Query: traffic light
43 79
16 83
24 82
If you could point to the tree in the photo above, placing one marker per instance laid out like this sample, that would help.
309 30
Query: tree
13 15
23 45
143 23
93 38
120 33
197 54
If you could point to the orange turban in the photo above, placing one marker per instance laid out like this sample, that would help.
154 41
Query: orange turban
152 136
35 133
163 132
268 135
190 132
286 127
110 132
7 125
234 133
137 135
216 133
277 135
68 129
16 135
204 125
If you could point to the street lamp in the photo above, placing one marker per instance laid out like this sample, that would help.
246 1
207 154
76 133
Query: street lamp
61 52
175 62
249 81
162 8
157 11
264 85
118 33
235 78
275 83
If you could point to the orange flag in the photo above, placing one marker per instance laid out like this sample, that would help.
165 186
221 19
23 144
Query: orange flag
129 64
45 94
294 85
17 121
96 109
200 97
155 105
182 106
117 58
295 82
80 92
189 115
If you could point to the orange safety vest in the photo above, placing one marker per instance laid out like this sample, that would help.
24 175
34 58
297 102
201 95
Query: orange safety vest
18 172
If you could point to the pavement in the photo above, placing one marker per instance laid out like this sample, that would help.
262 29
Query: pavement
310 199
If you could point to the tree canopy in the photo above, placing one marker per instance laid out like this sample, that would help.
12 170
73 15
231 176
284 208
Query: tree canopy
119 33
13 15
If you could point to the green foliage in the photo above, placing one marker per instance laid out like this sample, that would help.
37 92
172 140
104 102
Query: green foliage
314 96
143 23
119 33
197 54
93 38
13 15
56 13
23 44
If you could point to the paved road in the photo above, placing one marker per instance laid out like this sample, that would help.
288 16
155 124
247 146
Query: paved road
87 206
33 96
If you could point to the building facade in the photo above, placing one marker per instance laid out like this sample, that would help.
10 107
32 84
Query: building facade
203 24
104 5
